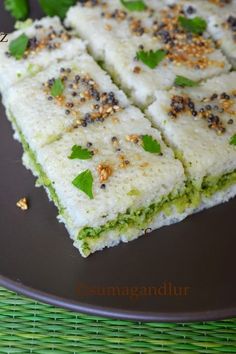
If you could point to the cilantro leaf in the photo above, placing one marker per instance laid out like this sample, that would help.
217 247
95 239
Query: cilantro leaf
196 25
184 81
134 192
150 144
79 153
151 58
21 25
233 140
84 182
18 46
18 8
56 7
57 88
135 5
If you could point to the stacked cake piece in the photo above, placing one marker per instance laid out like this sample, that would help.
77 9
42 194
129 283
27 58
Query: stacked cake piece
200 125
104 166
145 47
112 171
221 22
34 47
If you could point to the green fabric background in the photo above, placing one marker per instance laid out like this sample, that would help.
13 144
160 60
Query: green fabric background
27 326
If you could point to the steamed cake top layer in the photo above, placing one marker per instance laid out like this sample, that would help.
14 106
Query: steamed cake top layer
88 97
116 35
221 22
48 42
125 175
199 124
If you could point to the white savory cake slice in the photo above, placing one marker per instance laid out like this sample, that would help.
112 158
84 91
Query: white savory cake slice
33 48
133 188
200 125
111 181
205 7
85 94
223 30
221 22
123 40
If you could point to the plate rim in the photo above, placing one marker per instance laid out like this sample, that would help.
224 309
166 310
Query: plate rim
105 311
111 313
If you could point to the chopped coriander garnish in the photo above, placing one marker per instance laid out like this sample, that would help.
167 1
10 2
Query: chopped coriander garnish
21 25
151 58
196 25
185 82
134 192
57 88
84 182
33 69
150 144
233 140
137 5
77 152
56 7
18 8
18 46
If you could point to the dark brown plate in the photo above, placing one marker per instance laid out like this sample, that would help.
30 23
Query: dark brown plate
37 257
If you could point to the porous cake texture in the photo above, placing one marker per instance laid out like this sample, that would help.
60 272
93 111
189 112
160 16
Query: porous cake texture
145 50
113 171
132 189
46 41
221 22
88 96
137 183
199 124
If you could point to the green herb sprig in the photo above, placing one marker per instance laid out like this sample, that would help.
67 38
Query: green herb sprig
196 25
17 8
84 182
150 144
56 7
233 140
151 59
57 88
77 152
135 5
18 46
183 81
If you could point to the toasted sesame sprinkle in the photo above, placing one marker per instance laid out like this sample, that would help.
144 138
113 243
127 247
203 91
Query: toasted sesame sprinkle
123 161
80 89
45 37
108 27
134 138
204 109
104 171
22 204
137 70
182 48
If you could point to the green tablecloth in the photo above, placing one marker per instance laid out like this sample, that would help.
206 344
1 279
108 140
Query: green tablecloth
27 326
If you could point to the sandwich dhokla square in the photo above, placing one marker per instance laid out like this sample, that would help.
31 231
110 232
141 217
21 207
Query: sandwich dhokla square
200 125
66 95
145 47
34 47
112 180
102 164
111 174
223 30
205 7
221 22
